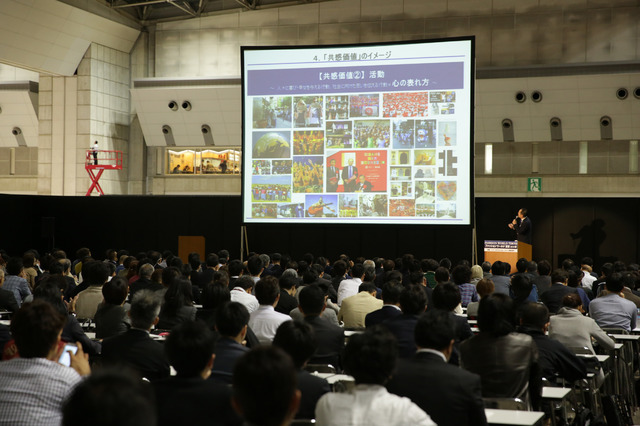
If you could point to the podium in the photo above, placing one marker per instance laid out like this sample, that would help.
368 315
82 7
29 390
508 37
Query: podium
507 251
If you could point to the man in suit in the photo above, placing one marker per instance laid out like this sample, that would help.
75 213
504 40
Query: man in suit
7 299
453 396
350 176
298 340
189 398
330 337
355 308
288 301
552 298
363 184
232 321
333 176
391 304
135 348
522 226
413 302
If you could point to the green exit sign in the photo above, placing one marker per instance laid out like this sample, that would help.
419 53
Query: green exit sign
534 184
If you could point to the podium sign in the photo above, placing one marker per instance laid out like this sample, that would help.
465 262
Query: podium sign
506 251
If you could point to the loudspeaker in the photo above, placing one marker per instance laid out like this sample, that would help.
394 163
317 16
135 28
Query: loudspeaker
507 130
606 128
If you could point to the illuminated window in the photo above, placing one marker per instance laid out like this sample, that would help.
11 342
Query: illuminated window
207 161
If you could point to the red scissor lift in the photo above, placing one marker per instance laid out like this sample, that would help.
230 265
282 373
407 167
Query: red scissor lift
106 160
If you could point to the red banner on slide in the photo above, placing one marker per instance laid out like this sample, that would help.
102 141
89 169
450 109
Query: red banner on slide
370 163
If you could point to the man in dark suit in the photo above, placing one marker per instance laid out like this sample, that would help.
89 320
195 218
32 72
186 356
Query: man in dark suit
522 226
144 282
189 398
330 337
350 176
453 395
391 298
363 184
287 301
298 340
7 299
413 302
552 298
232 321
135 348
333 176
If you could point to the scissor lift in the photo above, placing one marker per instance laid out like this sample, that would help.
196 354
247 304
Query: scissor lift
106 160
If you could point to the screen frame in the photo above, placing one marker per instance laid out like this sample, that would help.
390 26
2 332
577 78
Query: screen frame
346 221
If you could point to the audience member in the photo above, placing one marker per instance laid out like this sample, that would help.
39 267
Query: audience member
611 309
265 320
298 340
135 348
500 280
241 292
34 386
484 288
461 276
144 282
288 301
7 299
95 274
413 302
189 398
554 358
232 321
110 397
370 357
354 309
507 362
391 304
14 281
111 317
178 305
453 395
552 298
265 387
349 287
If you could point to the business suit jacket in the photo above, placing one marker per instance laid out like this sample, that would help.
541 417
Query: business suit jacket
227 353
330 340
312 388
382 314
350 186
355 308
137 350
8 301
403 328
523 230
552 298
193 401
450 395
287 303
143 284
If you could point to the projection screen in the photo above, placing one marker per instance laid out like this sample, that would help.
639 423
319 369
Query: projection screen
355 134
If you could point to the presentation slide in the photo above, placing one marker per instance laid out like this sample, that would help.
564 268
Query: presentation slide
376 133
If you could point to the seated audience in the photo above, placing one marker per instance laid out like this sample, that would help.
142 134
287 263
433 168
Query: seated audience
349 287
446 297
330 313
242 292
453 395
552 298
298 340
110 397
214 295
413 302
574 330
391 304
461 275
135 348
189 398
555 359
330 337
232 321
287 301
484 288
370 357
501 281
34 386
14 281
611 309
178 305
7 299
51 289
111 317
265 387
265 320
144 282
354 309
95 274
507 362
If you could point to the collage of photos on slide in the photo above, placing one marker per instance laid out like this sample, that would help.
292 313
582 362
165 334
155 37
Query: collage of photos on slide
358 155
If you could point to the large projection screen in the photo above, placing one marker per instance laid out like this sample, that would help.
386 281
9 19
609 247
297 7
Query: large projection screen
359 134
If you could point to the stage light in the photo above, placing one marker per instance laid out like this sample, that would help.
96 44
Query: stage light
166 129
606 128
521 97
536 96
173 106
622 93
507 130
186 105
555 124
16 131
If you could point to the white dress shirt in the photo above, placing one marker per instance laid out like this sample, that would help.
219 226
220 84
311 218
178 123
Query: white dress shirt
348 288
238 294
369 405
588 280
265 321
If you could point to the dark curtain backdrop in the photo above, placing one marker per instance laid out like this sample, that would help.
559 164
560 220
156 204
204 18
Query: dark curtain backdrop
603 228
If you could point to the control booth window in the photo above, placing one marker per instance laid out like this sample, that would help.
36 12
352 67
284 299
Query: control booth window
220 161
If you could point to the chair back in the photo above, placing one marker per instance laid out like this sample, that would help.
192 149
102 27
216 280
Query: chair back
506 404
